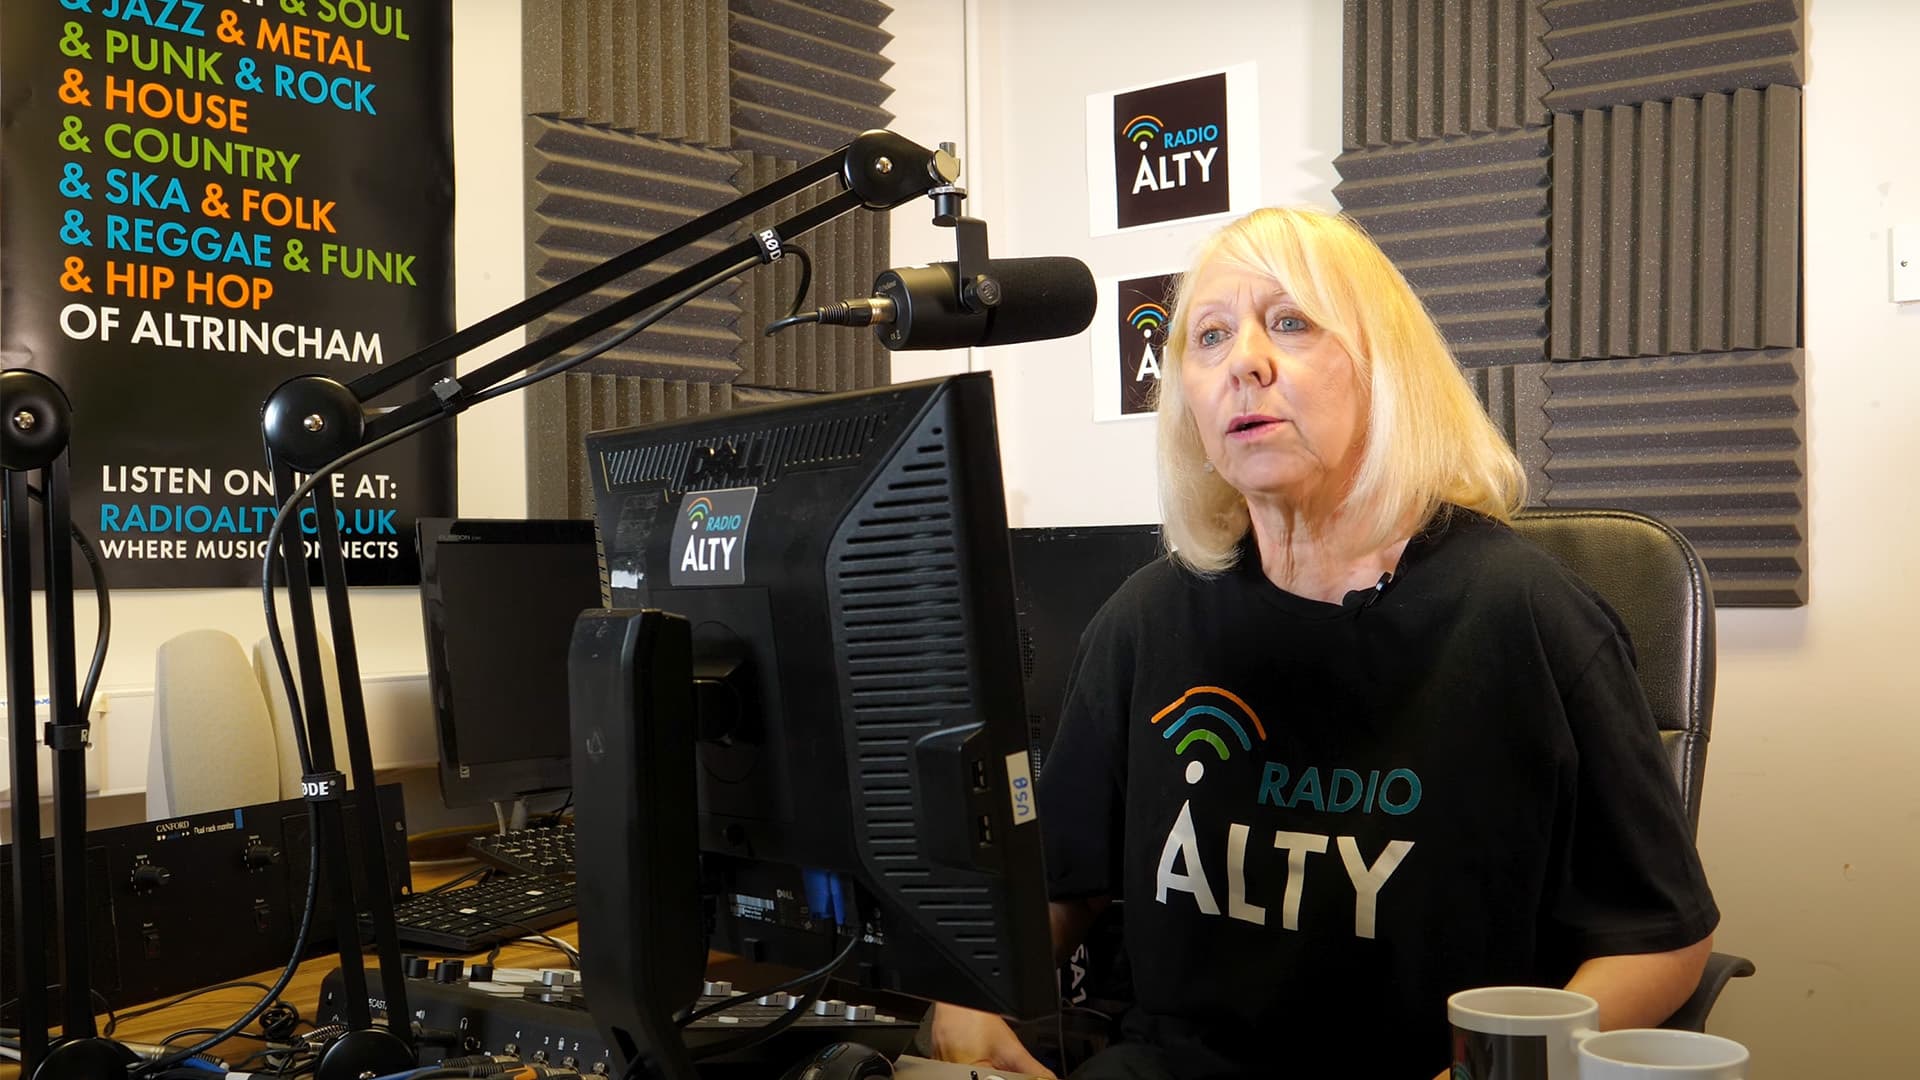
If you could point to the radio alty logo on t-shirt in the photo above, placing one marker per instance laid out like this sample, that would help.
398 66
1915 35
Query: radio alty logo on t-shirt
1211 724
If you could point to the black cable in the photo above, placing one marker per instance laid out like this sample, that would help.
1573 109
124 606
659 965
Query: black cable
188 996
286 973
861 312
556 815
280 1021
542 941
187 1033
100 599
816 975
806 277
755 1036
97 996
778 325
260 1058
480 871
538 937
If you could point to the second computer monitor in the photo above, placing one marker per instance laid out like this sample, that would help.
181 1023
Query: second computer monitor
1062 576
499 600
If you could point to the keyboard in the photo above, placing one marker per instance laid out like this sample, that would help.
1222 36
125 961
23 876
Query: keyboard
546 850
478 917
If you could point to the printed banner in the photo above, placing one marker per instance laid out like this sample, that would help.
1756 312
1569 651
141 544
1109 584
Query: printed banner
199 201
1173 152
1129 337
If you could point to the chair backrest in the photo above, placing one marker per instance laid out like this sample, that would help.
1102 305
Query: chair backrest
1657 583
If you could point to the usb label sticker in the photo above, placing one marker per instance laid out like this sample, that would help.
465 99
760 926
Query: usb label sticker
1020 788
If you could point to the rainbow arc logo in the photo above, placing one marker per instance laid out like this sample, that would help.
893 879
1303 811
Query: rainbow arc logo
699 509
1147 316
1143 129
1211 716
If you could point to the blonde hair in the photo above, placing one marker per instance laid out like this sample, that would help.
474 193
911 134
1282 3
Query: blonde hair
1428 442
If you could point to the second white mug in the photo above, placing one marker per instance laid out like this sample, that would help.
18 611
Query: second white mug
1643 1053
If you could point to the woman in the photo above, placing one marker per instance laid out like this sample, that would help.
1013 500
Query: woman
1354 745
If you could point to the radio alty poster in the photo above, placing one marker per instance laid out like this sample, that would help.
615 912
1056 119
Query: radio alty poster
199 201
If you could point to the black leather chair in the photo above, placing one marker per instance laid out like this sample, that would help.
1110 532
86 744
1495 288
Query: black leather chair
1658 584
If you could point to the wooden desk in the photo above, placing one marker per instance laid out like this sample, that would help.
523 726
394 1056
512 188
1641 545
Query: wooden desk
219 1008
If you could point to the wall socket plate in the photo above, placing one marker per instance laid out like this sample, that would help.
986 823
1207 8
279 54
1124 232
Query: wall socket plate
1903 263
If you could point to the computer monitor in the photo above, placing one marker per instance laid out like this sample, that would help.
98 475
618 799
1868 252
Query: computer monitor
862 756
1061 577
499 600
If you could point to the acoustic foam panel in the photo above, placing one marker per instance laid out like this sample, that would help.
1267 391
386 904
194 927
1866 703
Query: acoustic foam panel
1713 445
1421 69
657 67
1515 397
844 254
1465 219
1618 52
645 113
592 194
562 410
1676 226
806 76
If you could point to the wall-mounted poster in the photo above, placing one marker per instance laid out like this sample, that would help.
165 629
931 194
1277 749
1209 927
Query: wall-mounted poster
199 201
1129 338
1175 151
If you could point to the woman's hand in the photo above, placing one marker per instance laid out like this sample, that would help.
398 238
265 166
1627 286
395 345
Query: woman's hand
980 1039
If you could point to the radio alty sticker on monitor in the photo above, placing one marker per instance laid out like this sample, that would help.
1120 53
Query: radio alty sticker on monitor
710 537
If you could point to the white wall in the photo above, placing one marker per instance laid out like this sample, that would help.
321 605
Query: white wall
1033 66
1811 822
930 106
488 275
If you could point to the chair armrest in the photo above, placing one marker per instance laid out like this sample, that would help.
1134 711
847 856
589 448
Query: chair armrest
1721 968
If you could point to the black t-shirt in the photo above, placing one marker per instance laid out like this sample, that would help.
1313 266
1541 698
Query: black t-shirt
1325 818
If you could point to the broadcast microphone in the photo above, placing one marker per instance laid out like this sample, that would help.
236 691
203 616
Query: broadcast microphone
918 307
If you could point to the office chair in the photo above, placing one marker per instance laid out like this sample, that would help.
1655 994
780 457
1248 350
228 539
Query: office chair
1657 583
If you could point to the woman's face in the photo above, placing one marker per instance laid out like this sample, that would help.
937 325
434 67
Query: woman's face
1276 398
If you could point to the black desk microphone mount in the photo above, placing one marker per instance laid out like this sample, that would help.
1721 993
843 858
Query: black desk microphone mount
311 423
36 423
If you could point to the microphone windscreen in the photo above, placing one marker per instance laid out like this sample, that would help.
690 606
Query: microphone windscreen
1040 298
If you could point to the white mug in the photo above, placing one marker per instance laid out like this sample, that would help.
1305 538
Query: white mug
1519 1032
1538 1033
1645 1053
